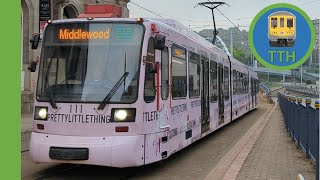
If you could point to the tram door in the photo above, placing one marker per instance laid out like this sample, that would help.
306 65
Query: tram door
205 120
221 94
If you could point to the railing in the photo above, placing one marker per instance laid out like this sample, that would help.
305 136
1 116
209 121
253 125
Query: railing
302 123
267 90
304 90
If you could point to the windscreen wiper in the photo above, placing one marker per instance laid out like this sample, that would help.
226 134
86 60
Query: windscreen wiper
112 92
52 102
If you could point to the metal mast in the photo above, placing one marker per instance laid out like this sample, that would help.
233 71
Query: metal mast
212 6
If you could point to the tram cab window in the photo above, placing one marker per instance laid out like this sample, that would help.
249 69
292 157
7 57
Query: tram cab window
149 84
86 69
282 22
165 73
179 72
194 75
226 82
214 81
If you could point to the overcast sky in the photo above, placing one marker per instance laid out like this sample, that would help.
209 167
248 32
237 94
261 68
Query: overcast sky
241 12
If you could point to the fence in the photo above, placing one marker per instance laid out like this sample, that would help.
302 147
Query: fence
302 123
304 90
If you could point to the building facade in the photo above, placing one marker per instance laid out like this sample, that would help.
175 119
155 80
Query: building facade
61 9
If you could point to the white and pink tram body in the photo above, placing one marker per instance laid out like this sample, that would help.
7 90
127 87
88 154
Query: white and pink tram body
130 92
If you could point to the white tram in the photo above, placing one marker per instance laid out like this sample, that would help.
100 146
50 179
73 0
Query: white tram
130 92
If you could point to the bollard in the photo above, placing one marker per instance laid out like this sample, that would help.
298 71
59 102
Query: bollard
308 100
299 100
317 104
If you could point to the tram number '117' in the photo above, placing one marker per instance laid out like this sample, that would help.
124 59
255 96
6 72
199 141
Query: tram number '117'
283 55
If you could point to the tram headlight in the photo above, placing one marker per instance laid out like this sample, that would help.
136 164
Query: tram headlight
123 115
41 113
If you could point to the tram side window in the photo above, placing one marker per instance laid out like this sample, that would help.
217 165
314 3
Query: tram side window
246 83
214 81
179 72
242 85
238 82
234 83
226 82
165 73
251 83
149 84
194 74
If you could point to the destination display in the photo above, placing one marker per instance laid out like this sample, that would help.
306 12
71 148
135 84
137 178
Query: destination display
93 32
79 34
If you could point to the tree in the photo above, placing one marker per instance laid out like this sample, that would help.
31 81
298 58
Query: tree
240 55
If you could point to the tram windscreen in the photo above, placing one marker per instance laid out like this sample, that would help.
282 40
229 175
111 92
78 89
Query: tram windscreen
82 62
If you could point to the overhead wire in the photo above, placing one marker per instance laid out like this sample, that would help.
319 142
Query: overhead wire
309 2
160 14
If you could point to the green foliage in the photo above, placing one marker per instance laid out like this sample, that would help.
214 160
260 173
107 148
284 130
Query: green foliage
240 55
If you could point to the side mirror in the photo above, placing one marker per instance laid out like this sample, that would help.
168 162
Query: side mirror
35 41
155 68
160 41
33 66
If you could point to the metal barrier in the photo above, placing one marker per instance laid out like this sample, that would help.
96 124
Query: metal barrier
302 123
304 90
267 90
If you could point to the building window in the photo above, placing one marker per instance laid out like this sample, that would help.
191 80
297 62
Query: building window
165 73
149 84
194 74
179 72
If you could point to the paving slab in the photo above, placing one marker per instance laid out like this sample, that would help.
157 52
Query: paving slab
275 155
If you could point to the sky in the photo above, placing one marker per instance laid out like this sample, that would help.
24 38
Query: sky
240 12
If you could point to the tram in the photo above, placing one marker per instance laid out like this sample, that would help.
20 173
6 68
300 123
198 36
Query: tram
129 92
282 29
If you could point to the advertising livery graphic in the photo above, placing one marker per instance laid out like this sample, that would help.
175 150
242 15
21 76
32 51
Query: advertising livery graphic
282 36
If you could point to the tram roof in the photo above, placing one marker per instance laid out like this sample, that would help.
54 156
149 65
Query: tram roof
165 21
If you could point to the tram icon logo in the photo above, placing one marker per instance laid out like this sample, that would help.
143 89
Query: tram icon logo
282 29
282 36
